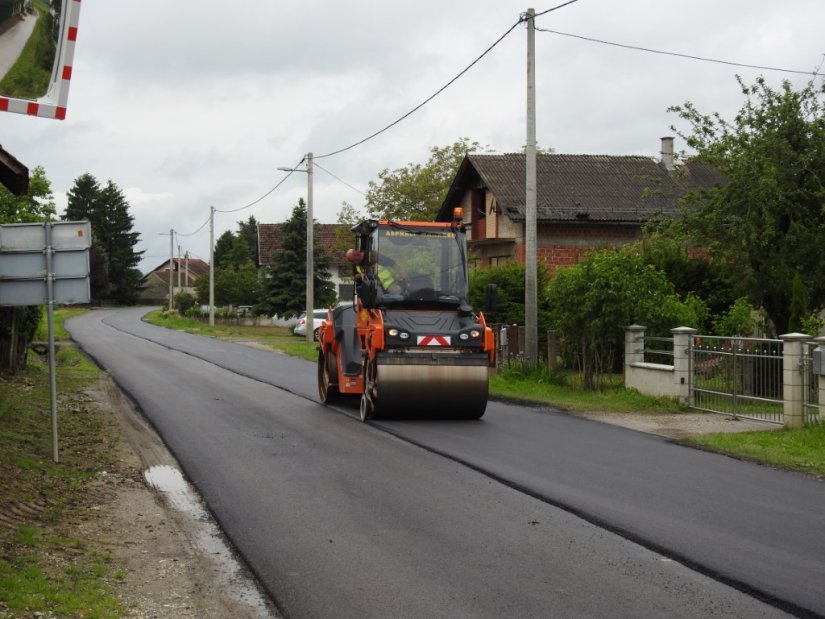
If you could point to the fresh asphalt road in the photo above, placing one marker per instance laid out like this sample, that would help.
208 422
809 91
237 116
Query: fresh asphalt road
526 513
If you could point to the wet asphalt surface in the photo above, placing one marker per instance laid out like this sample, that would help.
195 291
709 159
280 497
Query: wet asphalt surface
527 512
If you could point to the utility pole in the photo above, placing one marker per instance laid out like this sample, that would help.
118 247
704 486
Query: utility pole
310 271
212 265
178 267
171 269
530 243
310 256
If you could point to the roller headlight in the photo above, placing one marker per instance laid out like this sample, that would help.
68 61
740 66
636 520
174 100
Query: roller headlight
402 335
473 334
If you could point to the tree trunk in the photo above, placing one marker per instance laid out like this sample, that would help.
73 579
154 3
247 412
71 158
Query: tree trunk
587 367
14 345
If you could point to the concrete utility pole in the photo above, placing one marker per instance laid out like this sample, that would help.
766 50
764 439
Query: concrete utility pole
179 267
171 269
310 255
212 265
310 271
530 276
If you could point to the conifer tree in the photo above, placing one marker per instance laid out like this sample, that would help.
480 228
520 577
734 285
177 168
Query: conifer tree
284 291
107 210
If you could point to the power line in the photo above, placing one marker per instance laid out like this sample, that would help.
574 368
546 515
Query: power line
408 114
254 202
202 226
427 100
678 55
317 165
555 8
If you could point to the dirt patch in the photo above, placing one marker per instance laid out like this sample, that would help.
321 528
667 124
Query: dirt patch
168 569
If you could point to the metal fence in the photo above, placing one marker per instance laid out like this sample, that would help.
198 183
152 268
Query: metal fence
813 386
658 350
737 376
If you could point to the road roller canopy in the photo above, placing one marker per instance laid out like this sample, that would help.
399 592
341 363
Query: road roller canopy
414 264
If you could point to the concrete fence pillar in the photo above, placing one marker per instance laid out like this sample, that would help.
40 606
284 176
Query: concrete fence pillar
634 345
792 383
682 337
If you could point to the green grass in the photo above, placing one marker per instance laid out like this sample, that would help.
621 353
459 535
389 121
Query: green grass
276 338
800 449
42 571
561 389
61 314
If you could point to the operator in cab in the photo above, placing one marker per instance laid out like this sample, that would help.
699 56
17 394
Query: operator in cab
389 274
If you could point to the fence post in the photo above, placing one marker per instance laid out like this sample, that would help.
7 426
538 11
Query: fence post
682 365
552 350
792 384
634 345
820 341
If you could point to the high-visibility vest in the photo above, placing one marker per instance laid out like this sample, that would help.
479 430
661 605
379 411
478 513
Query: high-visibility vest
385 276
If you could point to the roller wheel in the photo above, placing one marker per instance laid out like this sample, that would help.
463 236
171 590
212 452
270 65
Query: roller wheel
327 390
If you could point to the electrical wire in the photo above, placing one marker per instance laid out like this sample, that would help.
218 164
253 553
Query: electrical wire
202 226
665 53
254 202
427 100
555 8
318 165
521 19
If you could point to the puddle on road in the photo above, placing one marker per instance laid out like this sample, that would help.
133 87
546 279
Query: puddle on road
169 481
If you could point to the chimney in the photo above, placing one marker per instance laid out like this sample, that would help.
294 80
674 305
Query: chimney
667 154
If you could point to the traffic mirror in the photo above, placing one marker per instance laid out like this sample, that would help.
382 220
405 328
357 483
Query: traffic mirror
37 40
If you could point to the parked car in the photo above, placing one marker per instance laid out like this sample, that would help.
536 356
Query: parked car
301 328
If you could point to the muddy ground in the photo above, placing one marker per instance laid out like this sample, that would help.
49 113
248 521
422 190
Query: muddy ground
176 563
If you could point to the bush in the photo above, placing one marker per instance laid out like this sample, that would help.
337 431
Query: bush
509 280
591 303
184 302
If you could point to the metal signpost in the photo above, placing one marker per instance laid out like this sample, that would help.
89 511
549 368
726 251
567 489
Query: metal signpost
43 264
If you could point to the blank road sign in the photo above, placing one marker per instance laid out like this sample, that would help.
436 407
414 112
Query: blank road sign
68 291
32 237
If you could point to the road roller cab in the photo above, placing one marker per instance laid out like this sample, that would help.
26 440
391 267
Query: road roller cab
410 344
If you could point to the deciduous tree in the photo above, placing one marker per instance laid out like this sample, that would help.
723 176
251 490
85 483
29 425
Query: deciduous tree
416 191
18 324
768 217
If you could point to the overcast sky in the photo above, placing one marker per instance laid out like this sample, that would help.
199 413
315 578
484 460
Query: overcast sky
188 104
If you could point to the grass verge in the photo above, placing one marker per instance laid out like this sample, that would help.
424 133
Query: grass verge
43 569
799 449
276 338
